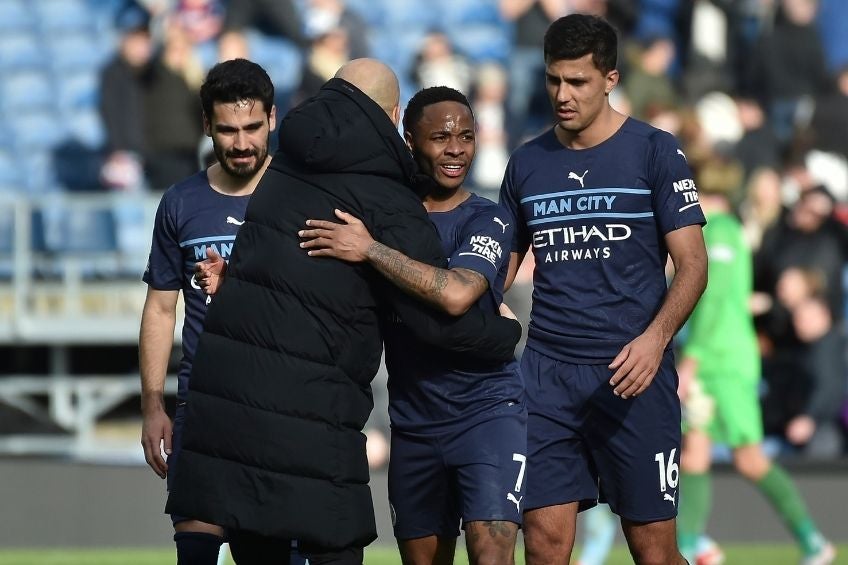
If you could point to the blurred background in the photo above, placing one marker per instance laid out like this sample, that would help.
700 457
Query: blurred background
99 114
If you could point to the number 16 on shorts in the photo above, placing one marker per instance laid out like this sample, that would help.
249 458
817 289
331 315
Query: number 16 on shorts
669 473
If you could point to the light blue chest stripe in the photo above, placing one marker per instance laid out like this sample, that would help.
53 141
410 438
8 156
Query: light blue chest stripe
596 215
207 239
586 191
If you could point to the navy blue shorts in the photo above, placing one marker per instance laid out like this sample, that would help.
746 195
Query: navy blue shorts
173 458
579 434
477 473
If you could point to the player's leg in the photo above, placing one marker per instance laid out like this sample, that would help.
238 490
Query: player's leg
489 466
695 479
652 543
559 473
198 543
425 511
599 525
740 419
635 445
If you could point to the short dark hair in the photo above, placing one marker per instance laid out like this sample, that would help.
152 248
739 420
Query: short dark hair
577 35
234 80
428 96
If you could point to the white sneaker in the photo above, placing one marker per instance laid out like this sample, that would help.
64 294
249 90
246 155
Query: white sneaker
824 556
708 552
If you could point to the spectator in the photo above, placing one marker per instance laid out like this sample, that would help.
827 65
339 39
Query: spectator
759 146
437 64
647 84
328 52
272 17
830 118
323 15
490 112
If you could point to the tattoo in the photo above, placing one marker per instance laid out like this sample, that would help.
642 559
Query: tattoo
497 527
420 279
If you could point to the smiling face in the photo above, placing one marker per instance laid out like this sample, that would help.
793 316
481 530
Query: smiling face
578 91
443 143
239 132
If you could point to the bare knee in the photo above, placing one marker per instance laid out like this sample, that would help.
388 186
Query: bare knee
549 534
491 542
652 543
751 462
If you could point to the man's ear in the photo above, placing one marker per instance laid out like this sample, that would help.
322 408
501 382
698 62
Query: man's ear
396 115
407 137
612 80
272 118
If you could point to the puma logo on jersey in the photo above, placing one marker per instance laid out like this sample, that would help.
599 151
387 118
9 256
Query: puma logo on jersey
682 154
517 501
578 178
669 498
500 222
231 220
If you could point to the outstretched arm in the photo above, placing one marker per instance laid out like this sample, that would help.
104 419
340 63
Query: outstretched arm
637 363
452 290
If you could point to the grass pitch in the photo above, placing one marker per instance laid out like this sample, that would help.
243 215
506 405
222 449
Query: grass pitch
736 554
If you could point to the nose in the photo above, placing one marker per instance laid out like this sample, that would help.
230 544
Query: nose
454 147
241 141
563 94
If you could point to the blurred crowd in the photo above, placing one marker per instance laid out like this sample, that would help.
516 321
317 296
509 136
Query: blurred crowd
756 91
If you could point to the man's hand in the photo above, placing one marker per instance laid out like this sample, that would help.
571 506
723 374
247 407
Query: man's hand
348 241
209 274
636 365
156 430
800 429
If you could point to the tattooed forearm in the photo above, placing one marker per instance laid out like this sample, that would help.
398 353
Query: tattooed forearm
421 280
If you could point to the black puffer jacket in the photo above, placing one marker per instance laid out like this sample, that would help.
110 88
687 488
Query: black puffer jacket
280 389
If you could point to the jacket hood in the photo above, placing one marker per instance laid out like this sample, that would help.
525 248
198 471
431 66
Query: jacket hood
341 130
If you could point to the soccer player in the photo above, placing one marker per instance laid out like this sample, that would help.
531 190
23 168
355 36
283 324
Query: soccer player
720 374
458 426
196 217
602 200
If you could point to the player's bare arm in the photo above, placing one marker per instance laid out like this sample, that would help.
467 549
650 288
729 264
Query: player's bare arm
158 319
452 290
637 363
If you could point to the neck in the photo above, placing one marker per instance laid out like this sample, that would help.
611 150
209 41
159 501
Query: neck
604 126
445 201
230 185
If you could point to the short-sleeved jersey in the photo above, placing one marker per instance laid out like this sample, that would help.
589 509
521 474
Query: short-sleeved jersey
191 217
596 219
721 332
431 389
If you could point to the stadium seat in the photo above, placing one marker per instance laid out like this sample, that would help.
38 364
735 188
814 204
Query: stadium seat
482 42
75 90
16 16
464 12
400 15
20 50
57 16
370 10
68 52
280 57
398 50
36 129
85 126
21 91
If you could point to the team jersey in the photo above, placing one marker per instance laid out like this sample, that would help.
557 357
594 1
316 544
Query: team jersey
596 219
431 389
721 332
191 217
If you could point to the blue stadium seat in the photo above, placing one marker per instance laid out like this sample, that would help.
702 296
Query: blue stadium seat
280 57
398 15
465 12
21 91
482 42
21 50
39 170
370 10
86 126
12 175
77 90
63 15
88 230
16 16
75 51
36 129
398 50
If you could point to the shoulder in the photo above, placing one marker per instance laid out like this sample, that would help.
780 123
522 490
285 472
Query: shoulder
483 213
539 144
189 187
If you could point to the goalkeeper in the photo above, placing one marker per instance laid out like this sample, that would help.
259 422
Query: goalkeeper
719 378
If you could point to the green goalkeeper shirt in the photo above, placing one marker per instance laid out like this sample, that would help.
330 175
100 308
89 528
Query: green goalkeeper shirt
721 333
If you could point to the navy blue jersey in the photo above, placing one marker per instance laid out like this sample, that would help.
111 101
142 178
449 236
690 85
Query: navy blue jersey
191 217
596 220
432 389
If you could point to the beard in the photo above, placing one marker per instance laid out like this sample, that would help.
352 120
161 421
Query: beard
240 171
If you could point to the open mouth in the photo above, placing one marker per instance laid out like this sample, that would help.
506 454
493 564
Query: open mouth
452 170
